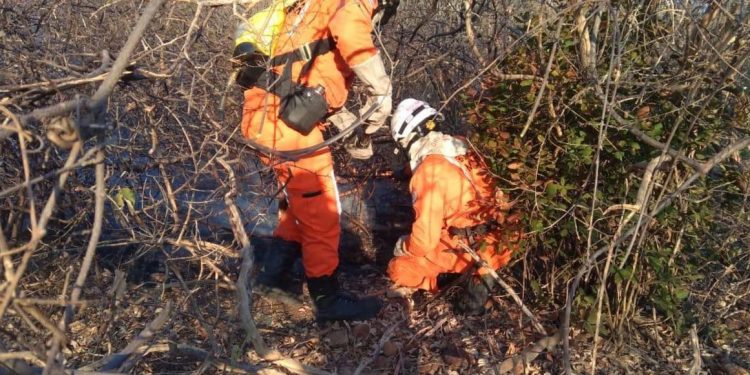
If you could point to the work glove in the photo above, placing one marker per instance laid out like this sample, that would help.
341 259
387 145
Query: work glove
378 83
342 119
386 9
358 144
400 249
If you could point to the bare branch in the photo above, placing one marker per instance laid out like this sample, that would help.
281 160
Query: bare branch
543 86
534 321
116 360
53 361
589 263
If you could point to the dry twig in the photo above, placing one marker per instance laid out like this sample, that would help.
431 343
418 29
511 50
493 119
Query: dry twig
534 321
116 360
717 159
543 86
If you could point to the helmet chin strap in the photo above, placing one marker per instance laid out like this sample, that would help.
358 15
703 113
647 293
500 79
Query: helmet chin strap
420 131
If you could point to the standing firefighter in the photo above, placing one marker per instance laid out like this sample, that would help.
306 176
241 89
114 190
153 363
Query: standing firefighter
455 202
313 48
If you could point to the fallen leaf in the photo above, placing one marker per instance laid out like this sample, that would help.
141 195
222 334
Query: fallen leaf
733 369
643 112
381 363
455 357
338 338
390 349
361 331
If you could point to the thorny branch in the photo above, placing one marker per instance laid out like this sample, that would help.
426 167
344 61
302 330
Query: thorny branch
187 81
538 326
96 102
717 159
53 362
36 237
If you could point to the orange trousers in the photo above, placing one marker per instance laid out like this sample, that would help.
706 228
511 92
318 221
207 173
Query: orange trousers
312 218
422 272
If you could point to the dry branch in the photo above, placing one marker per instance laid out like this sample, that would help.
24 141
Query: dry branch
633 129
543 86
695 368
115 361
25 356
468 15
534 321
84 161
717 159
518 362
99 98
243 291
53 361
376 350
29 248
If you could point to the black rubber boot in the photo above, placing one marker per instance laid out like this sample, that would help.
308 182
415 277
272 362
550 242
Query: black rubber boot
331 303
475 295
277 279
446 279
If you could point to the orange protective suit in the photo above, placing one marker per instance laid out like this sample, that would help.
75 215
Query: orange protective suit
312 217
445 196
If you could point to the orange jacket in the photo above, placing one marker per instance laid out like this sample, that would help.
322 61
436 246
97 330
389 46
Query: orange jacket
349 23
444 197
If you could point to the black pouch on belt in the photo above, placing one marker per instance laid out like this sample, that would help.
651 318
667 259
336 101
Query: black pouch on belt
304 108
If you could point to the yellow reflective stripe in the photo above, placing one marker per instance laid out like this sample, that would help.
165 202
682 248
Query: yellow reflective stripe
262 28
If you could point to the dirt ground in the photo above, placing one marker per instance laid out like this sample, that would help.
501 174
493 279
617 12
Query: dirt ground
418 335
49 46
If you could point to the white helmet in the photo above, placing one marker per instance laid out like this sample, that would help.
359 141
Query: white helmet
409 115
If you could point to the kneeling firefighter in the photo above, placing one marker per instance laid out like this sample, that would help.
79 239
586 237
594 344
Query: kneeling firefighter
299 76
455 201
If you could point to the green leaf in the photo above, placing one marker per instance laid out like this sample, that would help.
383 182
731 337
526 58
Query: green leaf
680 294
526 82
552 189
125 195
537 225
536 287
657 131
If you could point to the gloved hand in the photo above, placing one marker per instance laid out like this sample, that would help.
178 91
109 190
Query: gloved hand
342 119
357 144
378 83
400 249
